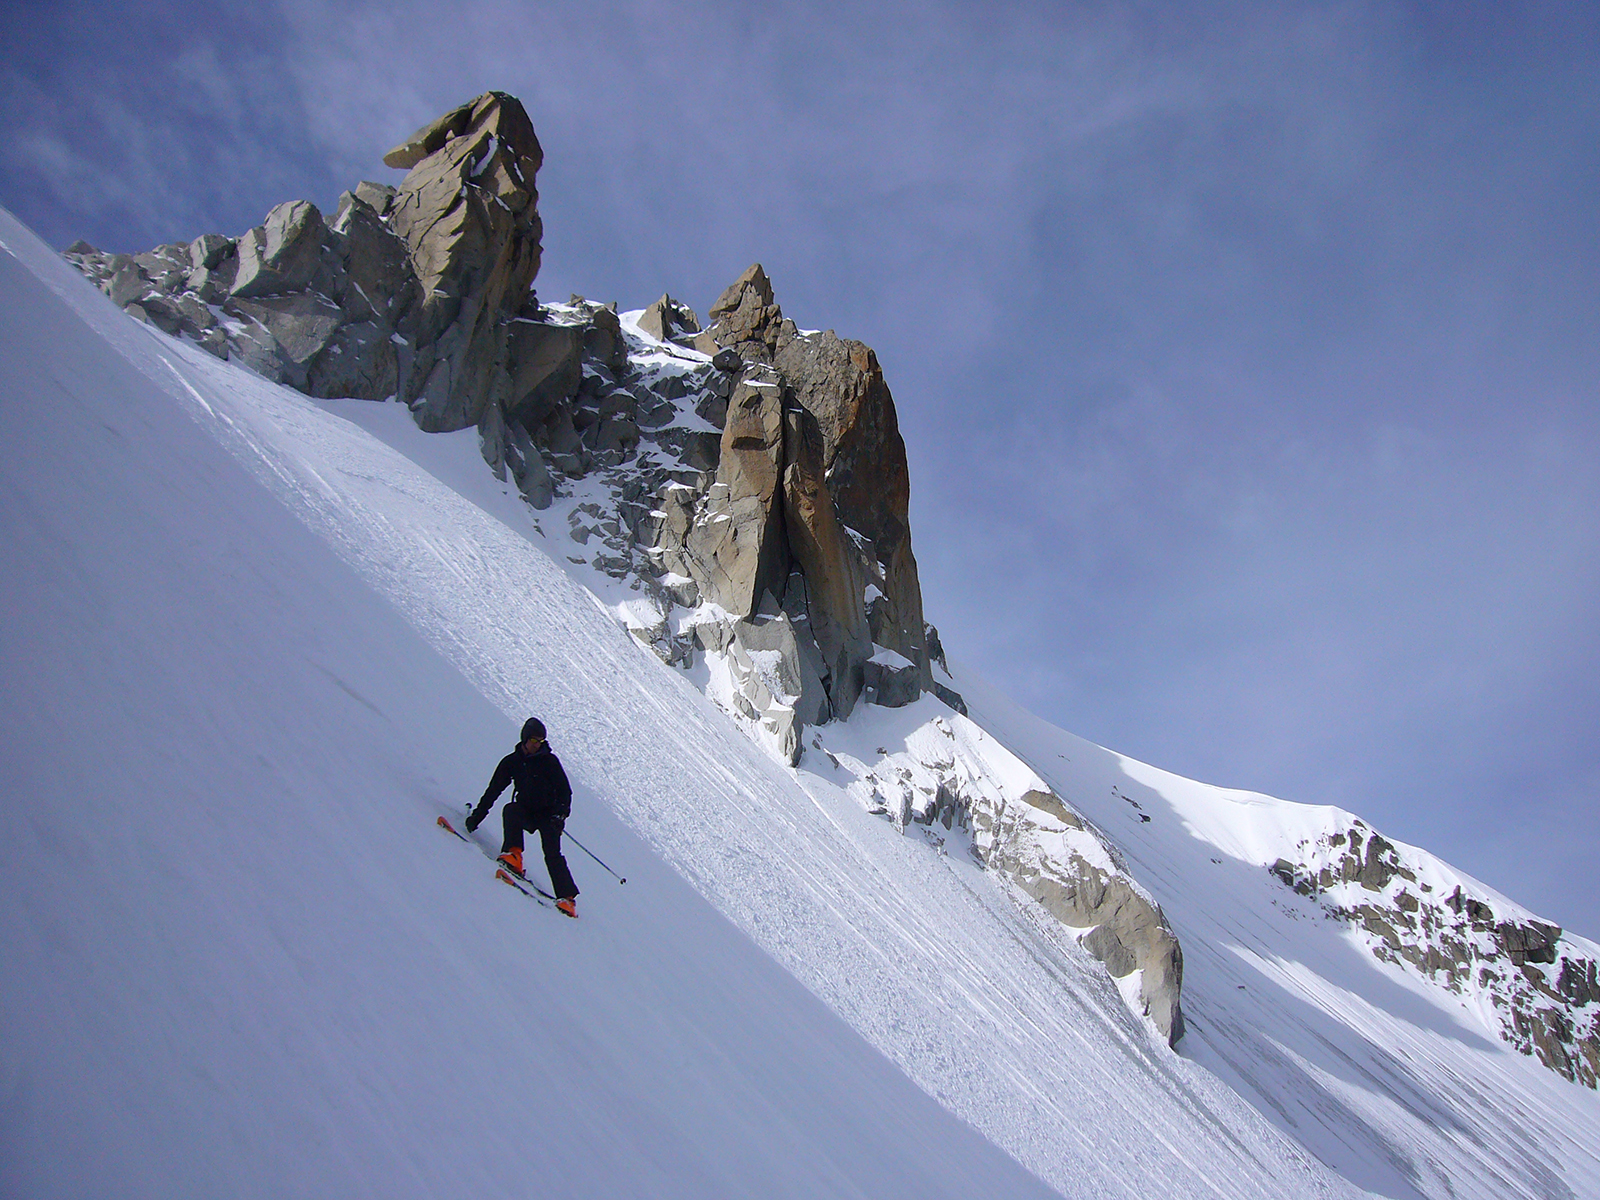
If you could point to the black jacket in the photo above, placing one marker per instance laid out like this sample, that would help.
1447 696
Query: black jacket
541 785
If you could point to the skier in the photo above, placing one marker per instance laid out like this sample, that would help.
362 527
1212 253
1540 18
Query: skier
541 802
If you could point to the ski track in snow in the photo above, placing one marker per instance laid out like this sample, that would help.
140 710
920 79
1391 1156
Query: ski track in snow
240 958
988 1005
767 854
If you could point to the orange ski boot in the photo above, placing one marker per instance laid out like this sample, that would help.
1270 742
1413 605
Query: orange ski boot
568 906
512 859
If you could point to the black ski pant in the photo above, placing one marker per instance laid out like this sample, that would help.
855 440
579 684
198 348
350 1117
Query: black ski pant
548 826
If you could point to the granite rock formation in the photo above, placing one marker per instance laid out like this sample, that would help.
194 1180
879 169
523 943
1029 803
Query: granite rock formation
421 291
846 486
960 788
791 463
1541 986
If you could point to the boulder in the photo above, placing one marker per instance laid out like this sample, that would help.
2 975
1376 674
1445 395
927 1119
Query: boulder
212 284
252 344
300 327
713 406
207 250
613 434
379 196
889 679
159 311
128 282
377 281
697 449
167 266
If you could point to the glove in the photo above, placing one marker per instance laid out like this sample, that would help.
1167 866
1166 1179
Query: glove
473 822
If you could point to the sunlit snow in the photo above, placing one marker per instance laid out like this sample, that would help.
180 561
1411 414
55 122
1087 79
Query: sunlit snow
255 645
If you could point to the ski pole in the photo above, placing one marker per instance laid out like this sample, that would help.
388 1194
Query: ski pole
592 855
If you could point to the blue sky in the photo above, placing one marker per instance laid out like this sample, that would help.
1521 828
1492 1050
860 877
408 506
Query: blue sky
1248 356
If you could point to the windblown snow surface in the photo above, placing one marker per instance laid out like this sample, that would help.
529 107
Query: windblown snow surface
254 646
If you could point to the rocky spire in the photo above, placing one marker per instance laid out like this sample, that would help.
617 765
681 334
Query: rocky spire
468 213
846 489
791 519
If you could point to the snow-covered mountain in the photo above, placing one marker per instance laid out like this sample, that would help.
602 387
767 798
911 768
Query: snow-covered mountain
884 934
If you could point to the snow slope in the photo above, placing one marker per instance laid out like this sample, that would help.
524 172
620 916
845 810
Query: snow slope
239 960
253 647
1400 1086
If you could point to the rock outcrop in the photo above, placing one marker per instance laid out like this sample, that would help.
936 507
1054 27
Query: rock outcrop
1053 854
770 479
959 787
421 292
668 320
839 387
468 214
1421 917
846 487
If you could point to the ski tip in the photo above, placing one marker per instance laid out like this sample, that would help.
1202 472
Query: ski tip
446 825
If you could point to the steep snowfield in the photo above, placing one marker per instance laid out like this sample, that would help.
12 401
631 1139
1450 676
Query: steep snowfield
253 647
239 960
1400 1086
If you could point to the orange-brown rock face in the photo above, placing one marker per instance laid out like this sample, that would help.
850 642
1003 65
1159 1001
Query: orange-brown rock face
846 484
841 385
736 549
833 567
